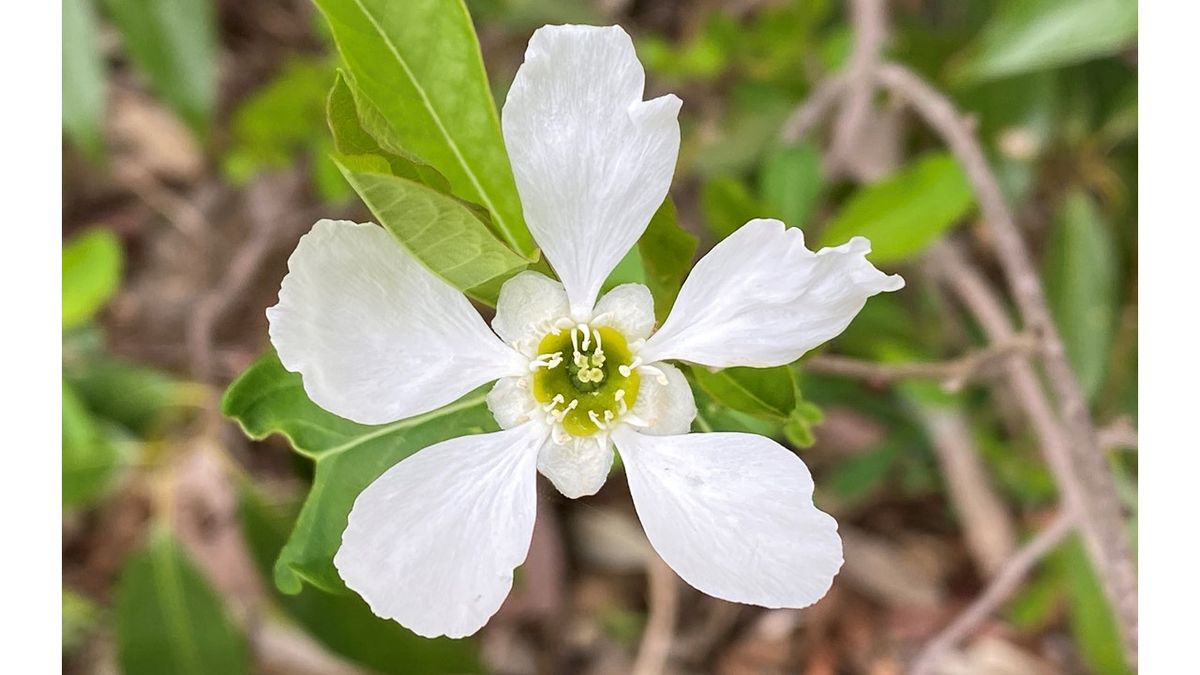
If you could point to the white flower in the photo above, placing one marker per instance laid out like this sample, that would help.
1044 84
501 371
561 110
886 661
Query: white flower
433 542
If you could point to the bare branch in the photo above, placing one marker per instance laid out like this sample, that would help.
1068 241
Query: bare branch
265 224
977 295
660 627
953 374
813 110
869 21
986 524
1000 589
1118 435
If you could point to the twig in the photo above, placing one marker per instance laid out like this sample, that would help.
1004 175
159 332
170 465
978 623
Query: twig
264 224
1103 526
953 374
986 525
869 21
660 628
280 650
1119 435
1000 589
814 109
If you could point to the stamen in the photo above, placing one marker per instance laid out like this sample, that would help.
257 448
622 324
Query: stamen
549 407
625 370
575 340
547 361
587 335
596 419
656 373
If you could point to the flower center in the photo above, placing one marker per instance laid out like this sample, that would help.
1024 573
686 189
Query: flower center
583 378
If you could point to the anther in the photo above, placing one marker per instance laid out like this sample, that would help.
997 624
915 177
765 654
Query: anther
596 419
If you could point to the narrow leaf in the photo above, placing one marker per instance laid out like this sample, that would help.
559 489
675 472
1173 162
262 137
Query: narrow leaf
1028 35
91 272
418 64
89 456
168 620
727 204
906 212
174 45
83 76
790 183
1080 273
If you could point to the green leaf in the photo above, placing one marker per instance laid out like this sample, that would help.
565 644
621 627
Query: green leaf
359 129
267 399
79 618
418 64
712 415
1028 35
442 232
769 393
168 620
790 182
174 44
666 251
130 394
91 272
280 121
1092 621
905 212
727 204
83 76
89 455
1080 273
855 479
344 623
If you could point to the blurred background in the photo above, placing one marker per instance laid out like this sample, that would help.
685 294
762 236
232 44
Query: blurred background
195 154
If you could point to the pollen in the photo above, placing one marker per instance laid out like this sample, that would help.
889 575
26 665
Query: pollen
585 378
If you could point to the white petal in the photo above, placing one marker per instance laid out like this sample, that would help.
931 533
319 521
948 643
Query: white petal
528 305
511 402
375 336
629 308
733 515
667 409
760 298
432 543
592 160
579 467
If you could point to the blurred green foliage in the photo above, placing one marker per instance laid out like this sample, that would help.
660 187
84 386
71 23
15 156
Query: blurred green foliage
168 620
412 121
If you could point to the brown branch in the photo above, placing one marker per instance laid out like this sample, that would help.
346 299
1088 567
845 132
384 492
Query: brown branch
660 628
1118 435
869 21
953 374
999 590
1104 525
264 203
986 524
813 110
